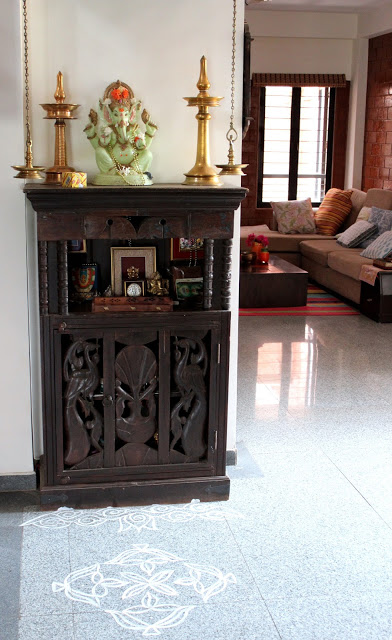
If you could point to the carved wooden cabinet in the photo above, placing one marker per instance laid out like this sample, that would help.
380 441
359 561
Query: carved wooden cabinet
134 403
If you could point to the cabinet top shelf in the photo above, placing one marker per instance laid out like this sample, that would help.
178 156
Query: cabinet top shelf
155 198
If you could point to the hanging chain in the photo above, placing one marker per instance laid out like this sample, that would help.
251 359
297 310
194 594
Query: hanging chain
26 73
232 134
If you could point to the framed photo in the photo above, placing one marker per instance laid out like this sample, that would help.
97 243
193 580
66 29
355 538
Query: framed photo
123 258
187 288
77 246
184 248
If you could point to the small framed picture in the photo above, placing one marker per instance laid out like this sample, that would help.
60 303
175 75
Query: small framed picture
134 288
77 246
142 259
187 288
185 248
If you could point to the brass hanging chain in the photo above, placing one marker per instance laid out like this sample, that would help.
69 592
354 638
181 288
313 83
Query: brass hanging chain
26 73
27 171
232 134
230 168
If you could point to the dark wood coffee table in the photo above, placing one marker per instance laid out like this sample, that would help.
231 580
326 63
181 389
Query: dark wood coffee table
282 285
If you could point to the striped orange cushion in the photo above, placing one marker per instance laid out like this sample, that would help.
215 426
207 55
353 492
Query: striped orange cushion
333 211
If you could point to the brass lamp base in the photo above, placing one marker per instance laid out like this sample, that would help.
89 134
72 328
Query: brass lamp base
200 180
28 173
232 169
54 175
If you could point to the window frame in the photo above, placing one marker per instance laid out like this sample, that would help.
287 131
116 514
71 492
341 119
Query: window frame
294 145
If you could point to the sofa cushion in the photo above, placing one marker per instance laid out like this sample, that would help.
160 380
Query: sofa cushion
294 216
357 233
357 200
318 250
381 198
380 248
333 211
383 219
348 262
364 213
279 242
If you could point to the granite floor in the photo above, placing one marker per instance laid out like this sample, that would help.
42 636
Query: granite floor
301 551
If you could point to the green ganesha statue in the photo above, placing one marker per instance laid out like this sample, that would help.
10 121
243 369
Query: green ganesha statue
121 142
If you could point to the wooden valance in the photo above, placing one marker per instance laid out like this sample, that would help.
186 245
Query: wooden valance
299 79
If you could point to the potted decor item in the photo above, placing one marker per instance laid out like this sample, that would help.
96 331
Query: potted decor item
259 246
121 138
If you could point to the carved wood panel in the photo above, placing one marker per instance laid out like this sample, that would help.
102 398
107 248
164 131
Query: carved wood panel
111 408
83 420
188 418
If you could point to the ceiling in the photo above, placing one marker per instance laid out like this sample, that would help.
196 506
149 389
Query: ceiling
350 6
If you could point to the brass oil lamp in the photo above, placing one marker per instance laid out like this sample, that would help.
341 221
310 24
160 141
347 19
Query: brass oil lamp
60 111
203 174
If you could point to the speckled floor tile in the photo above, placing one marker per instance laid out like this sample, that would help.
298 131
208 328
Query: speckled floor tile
225 622
207 550
303 569
45 555
46 627
348 618
308 551
370 472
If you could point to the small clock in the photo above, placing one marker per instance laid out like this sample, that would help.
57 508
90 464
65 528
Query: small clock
134 288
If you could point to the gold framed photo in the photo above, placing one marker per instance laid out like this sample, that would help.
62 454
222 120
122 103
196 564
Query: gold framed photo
182 248
124 258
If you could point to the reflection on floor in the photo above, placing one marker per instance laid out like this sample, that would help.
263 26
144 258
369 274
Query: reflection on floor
303 549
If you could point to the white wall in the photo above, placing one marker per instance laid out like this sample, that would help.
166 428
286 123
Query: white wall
357 114
15 417
301 42
153 46
301 55
375 23
156 49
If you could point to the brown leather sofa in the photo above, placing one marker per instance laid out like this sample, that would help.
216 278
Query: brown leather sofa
327 263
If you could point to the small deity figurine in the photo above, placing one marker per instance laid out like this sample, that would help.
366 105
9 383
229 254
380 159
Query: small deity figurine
156 286
120 141
132 273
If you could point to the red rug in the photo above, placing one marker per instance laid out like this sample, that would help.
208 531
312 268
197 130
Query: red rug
319 303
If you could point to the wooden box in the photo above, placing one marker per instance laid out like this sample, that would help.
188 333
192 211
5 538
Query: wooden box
126 303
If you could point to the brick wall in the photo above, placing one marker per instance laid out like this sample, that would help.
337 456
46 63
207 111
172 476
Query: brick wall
377 161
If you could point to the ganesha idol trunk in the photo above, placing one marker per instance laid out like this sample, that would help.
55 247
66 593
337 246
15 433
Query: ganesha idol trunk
121 138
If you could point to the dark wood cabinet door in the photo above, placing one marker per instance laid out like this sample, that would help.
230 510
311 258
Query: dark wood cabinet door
136 398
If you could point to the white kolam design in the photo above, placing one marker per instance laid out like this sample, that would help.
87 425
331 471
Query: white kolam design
149 581
132 517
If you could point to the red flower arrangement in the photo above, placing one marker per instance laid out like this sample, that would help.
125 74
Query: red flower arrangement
263 240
